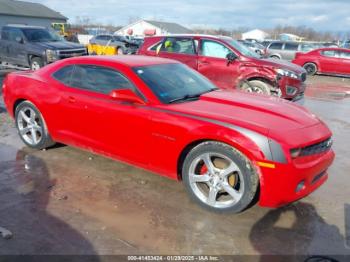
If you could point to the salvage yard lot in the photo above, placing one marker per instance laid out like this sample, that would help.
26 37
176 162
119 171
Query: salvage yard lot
68 201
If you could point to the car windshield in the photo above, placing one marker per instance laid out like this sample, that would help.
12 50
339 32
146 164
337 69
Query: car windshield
241 48
174 82
40 35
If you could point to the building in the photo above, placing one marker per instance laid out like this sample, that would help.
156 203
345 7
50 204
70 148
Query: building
255 34
290 37
149 27
19 12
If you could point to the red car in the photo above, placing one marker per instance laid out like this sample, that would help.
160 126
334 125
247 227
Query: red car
329 61
229 64
163 116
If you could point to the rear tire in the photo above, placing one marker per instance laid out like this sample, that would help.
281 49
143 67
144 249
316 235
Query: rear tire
311 68
230 182
275 57
257 86
31 126
36 63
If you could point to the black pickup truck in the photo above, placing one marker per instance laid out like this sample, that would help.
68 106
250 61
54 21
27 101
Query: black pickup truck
34 47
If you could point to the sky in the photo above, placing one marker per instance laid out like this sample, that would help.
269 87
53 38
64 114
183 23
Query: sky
322 15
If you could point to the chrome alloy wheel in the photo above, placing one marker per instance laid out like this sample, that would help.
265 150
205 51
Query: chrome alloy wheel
29 126
216 180
254 89
35 66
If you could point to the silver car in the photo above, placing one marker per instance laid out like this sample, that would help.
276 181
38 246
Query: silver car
287 50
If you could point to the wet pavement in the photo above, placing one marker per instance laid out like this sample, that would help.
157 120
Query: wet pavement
68 201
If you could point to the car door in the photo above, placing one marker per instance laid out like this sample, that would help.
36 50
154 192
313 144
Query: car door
16 51
94 120
275 50
344 65
289 51
4 44
329 62
181 49
212 63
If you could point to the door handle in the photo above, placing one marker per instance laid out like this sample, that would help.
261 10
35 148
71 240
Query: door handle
203 62
71 99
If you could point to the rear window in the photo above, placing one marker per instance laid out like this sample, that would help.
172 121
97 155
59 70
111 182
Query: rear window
276 46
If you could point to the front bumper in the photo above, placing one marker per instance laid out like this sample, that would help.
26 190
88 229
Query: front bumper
279 185
287 84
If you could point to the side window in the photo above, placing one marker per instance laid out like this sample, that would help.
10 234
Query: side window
64 75
329 53
13 33
307 47
214 49
291 47
99 79
156 46
345 55
276 46
5 34
178 45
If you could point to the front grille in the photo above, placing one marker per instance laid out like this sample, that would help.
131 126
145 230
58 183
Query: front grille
303 77
317 148
72 52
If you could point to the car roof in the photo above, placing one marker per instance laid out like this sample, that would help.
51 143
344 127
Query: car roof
127 60
332 49
24 26
191 35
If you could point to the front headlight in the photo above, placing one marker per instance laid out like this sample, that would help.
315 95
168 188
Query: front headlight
288 73
51 55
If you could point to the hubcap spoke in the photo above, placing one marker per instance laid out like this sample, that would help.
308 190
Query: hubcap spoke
230 169
25 130
25 117
199 178
208 163
34 136
231 191
212 196
32 115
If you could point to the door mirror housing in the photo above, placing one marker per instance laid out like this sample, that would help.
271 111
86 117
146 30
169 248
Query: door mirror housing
126 95
19 40
231 57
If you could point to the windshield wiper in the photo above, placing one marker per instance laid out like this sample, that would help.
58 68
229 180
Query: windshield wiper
190 97
185 98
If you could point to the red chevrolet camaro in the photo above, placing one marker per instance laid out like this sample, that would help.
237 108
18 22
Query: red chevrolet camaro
163 116
329 61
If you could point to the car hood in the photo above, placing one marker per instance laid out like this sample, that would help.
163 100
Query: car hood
266 115
58 45
277 63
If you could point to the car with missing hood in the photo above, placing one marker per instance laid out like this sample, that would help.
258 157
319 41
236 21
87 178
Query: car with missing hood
229 64
227 146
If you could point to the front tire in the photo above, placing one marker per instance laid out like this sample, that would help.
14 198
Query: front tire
36 63
219 177
311 68
257 86
31 126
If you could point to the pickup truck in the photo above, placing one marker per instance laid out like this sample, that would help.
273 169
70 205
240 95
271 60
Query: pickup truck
34 47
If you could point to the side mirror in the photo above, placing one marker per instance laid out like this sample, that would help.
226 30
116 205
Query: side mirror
19 40
126 95
230 58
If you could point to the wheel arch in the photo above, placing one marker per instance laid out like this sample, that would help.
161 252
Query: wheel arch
257 78
16 104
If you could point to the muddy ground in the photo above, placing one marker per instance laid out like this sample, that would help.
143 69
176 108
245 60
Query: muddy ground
68 201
